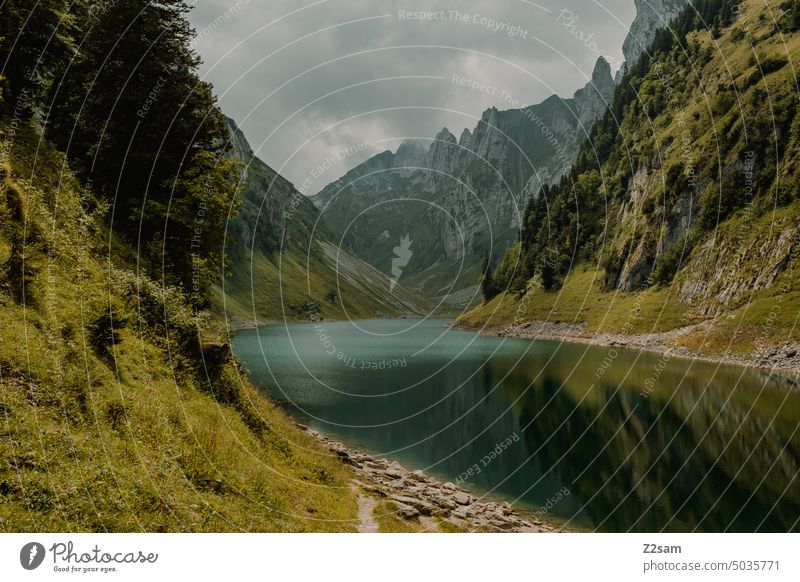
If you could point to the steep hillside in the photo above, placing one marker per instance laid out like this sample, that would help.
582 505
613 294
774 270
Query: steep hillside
692 214
461 200
286 264
120 408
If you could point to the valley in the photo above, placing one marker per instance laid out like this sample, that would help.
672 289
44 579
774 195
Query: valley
578 315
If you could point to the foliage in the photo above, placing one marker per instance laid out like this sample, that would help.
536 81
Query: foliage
36 41
790 19
194 220
505 273
670 262
146 134
489 288
111 423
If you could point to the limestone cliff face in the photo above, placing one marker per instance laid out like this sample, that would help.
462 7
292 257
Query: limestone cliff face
510 155
475 189
651 15
725 271
443 154
593 100
410 154
740 258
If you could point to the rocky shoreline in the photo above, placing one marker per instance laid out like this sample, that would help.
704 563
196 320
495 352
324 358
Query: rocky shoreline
784 359
417 495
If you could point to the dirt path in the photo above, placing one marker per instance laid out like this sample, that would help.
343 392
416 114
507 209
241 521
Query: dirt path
366 505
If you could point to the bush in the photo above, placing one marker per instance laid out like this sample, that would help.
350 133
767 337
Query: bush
737 34
790 21
103 331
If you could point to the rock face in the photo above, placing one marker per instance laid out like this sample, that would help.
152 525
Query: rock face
651 15
728 269
461 200
410 154
443 153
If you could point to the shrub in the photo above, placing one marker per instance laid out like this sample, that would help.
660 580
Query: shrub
103 331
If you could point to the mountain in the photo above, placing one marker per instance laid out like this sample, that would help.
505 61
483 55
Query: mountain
460 200
284 261
682 209
651 16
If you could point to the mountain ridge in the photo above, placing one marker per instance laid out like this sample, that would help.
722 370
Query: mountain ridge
491 170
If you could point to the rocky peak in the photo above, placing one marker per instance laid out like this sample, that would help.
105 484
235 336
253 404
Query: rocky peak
489 140
651 15
443 152
596 96
411 153
240 147
445 136
601 75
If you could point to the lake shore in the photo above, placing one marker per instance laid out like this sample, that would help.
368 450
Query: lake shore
419 496
237 323
784 359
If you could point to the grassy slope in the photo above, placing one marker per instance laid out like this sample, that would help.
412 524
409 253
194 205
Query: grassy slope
768 315
131 441
581 301
279 287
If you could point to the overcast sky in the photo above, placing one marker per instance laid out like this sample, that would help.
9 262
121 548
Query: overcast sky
341 80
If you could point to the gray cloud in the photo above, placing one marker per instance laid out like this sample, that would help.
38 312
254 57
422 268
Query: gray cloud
306 81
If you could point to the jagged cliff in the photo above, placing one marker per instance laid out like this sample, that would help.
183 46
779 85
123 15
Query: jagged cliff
682 209
461 199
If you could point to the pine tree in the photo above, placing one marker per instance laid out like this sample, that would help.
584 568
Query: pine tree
488 286
548 275
146 133
36 39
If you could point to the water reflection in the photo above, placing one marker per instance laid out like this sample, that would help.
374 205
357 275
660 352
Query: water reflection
638 442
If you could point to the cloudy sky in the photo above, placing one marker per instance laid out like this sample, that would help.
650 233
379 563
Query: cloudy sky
342 80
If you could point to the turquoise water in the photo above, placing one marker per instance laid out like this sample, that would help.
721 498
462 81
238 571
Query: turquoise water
591 437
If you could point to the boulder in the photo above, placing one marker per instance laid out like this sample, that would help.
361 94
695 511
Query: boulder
420 505
417 476
462 498
456 521
446 503
407 511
